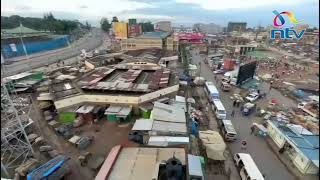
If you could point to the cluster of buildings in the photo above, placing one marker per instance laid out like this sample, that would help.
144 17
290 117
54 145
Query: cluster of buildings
139 88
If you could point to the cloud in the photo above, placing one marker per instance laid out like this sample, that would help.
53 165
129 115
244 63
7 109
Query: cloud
238 4
83 7
80 7
22 8
178 11
146 17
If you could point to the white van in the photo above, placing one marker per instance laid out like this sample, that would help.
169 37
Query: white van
219 109
248 168
228 131
225 86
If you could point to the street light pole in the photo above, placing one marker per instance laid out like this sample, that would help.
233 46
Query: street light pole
200 68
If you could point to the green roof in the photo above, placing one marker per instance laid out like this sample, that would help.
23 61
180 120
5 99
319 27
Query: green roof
154 35
20 29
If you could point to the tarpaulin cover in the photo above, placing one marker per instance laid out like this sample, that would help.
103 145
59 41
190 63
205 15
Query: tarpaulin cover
214 144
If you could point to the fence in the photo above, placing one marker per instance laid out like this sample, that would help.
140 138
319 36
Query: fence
34 47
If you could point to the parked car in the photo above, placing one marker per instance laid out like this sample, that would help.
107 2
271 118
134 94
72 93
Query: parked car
219 71
89 55
301 105
252 97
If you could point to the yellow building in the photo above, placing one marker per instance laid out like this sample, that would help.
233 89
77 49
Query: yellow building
161 40
120 30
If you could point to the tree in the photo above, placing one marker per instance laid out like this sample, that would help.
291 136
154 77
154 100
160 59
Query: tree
105 25
88 26
115 19
48 22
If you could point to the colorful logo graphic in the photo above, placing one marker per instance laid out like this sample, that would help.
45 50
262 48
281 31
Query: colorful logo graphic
285 32
279 17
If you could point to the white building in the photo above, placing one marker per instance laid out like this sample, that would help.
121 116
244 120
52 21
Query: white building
299 144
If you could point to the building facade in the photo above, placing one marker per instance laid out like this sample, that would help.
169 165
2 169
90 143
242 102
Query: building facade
134 30
207 28
160 40
163 26
237 26
302 149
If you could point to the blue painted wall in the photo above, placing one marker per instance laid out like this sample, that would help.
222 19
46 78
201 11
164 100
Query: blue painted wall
34 47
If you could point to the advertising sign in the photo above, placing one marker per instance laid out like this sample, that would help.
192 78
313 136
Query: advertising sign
286 32
13 47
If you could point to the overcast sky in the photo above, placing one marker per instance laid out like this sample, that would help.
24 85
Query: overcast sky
185 12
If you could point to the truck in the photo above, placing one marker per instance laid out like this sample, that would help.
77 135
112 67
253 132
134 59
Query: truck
193 71
231 76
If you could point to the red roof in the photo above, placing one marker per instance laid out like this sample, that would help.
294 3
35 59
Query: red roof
108 163
190 36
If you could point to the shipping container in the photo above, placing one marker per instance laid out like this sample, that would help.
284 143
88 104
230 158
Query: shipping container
112 118
228 65
132 21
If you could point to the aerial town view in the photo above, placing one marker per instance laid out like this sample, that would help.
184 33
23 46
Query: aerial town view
159 90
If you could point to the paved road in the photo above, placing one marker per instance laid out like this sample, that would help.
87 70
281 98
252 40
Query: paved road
38 60
266 160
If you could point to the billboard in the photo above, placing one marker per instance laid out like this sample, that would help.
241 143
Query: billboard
120 30
246 72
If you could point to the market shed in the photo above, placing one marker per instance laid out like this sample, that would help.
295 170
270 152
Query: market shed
119 113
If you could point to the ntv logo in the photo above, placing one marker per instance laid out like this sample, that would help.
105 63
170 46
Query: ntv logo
285 33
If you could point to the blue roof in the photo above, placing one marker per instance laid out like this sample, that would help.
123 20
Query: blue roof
154 34
307 144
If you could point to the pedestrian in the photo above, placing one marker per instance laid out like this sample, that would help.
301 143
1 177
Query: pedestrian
234 103
232 113
243 145
252 129
238 103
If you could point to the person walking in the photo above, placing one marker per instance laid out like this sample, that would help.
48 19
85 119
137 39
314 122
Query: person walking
234 103
238 103
270 85
243 145
232 113
252 129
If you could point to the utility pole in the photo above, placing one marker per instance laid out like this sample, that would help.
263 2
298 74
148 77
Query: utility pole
200 68
24 47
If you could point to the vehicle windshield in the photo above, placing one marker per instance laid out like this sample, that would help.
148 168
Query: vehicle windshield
252 95
222 112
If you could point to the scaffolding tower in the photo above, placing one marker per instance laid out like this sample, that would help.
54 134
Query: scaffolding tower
15 146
